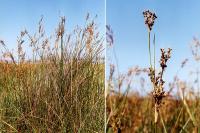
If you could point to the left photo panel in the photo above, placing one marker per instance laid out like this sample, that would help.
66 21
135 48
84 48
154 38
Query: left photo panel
52 66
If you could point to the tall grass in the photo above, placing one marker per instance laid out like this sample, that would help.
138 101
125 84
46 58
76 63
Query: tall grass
58 86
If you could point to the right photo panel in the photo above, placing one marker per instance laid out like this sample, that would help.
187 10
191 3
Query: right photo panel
152 66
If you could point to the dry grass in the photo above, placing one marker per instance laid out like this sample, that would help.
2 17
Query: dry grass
132 111
58 86
137 114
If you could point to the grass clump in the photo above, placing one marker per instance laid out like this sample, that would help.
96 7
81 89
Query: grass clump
58 86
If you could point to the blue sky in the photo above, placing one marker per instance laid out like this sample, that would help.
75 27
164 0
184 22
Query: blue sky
178 22
17 15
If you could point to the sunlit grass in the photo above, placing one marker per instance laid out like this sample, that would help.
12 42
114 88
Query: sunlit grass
58 86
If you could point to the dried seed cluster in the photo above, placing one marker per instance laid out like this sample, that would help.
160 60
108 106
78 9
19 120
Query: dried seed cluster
164 57
149 18
61 28
158 82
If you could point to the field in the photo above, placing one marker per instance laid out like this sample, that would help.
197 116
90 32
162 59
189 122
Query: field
53 82
131 112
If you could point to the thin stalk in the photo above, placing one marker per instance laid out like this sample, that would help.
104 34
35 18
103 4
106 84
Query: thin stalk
163 123
149 35
117 66
183 128
61 72
156 114
155 127
149 42
154 54
198 82
4 122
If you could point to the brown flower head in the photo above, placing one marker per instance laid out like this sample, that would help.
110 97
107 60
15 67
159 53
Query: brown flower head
149 18
165 55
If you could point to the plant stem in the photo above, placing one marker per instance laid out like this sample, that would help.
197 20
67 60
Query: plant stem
156 114
61 72
155 127
149 35
154 58
165 130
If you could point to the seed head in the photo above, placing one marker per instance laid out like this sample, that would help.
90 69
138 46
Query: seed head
149 18
61 27
165 55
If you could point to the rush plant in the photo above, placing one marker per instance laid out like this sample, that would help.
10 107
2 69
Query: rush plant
156 78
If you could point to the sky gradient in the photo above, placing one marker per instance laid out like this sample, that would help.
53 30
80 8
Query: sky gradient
16 15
